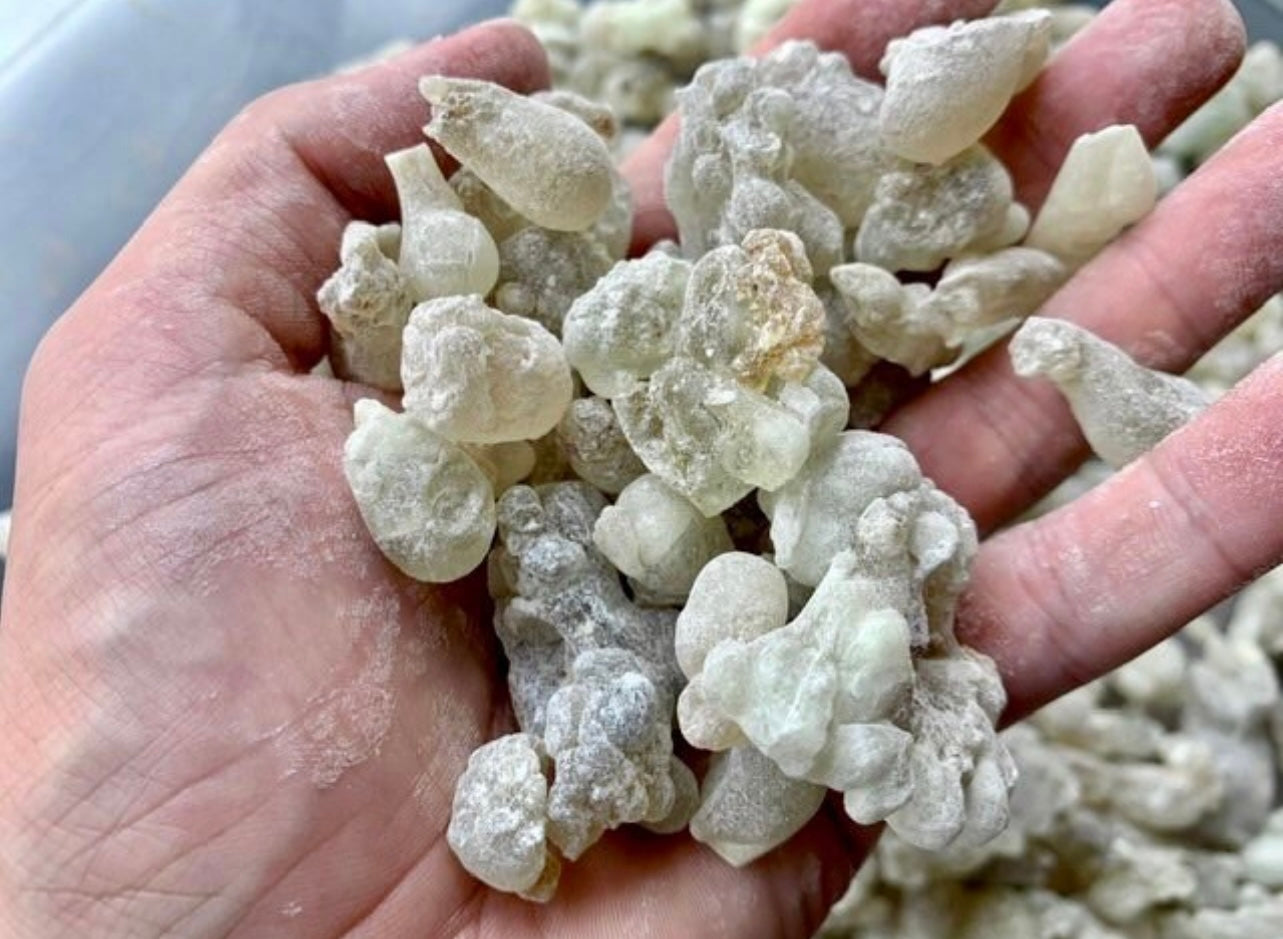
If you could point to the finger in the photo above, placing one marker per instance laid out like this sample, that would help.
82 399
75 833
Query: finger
1166 292
229 263
1064 599
860 29
1145 62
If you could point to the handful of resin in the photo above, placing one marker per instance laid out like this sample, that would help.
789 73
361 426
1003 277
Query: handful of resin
653 454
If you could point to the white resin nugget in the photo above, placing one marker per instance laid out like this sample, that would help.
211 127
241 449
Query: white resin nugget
622 330
656 537
921 216
735 596
498 820
428 505
1123 408
546 163
947 85
1106 183
367 301
475 375
444 250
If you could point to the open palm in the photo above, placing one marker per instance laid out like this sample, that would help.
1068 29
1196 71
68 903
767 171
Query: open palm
222 712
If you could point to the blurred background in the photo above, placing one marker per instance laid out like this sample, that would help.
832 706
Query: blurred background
104 103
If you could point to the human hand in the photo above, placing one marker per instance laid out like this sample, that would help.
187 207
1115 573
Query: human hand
225 714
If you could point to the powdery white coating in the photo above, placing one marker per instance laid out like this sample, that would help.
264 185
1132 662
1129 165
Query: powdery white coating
558 597
748 807
608 731
475 375
497 823
367 301
735 596
542 272
1123 408
710 438
750 311
590 673
838 161
1106 183
731 168
922 215
426 502
444 251
868 485
947 85
622 330
960 771
596 447
658 539
546 163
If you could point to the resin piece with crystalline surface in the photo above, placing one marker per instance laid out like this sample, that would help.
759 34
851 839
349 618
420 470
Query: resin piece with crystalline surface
475 375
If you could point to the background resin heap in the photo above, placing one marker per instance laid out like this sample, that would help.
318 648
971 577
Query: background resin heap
781 586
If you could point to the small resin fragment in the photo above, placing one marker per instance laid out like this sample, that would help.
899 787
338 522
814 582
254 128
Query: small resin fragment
890 319
444 251
367 301
622 330
922 216
748 807
596 447
823 510
658 539
1123 408
428 505
546 163
1106 183
947 85
608 731
747 130
543 272
497 823
709 437
750 311
475 375
668 28
735 596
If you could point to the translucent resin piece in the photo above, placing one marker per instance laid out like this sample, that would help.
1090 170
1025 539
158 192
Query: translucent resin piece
546 163
1123 408
1106 183
921 216
947 85
428 505
656 537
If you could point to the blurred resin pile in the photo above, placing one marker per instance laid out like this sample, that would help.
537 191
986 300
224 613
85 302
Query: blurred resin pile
664 463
